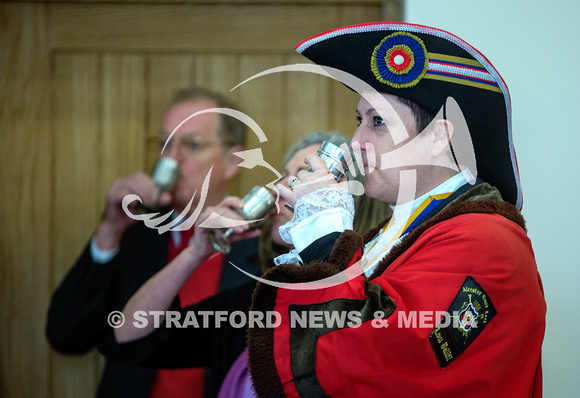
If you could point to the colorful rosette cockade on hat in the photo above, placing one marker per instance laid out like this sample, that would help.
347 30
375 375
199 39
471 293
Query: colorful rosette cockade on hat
427 66
400 60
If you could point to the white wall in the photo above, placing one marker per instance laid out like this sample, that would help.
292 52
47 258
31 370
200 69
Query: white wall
534 46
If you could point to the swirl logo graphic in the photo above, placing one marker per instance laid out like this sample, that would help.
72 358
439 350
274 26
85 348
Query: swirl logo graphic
406 156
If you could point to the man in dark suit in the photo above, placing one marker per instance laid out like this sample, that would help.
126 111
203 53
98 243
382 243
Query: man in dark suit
124 253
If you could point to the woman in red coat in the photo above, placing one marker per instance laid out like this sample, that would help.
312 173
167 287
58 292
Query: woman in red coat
440 300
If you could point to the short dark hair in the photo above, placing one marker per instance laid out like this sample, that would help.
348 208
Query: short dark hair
422 116
231 131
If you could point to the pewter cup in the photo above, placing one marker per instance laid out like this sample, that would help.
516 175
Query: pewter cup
257 204
164 175
334 158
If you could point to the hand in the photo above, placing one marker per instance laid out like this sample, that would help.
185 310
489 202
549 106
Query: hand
308 181
115 221
229 209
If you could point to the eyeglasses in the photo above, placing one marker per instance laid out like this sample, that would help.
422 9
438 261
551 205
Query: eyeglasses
187 146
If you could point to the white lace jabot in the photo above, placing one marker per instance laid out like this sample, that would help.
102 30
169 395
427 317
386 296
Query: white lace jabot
316 214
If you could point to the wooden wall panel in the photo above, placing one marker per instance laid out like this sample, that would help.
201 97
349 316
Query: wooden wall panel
221 73
226 27
82 89
25 199
123 117
307 103
165 74
78 199
264 101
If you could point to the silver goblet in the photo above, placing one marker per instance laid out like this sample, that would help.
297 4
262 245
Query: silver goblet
164 175
257 203
334 158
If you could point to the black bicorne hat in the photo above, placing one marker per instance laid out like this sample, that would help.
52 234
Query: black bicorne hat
428 65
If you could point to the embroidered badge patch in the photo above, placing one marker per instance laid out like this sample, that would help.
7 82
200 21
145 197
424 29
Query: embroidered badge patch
470 312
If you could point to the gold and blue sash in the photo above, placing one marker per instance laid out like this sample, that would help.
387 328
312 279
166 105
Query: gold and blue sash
426 210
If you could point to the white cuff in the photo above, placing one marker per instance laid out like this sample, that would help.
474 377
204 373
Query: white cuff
291 257
101 256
